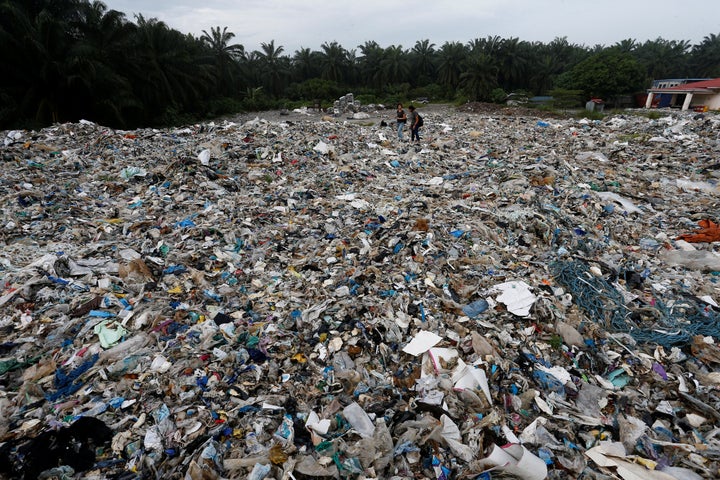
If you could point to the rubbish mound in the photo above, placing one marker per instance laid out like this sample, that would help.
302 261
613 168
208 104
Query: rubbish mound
306 297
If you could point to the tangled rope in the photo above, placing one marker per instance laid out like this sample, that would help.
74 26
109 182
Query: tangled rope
671 324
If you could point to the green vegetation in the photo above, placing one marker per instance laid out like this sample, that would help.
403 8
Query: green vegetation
556 342
564 98
631 137
651 114
606 74
498 95
64 60
594 115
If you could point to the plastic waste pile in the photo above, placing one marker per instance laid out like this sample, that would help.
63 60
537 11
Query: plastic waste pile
307 297
353 108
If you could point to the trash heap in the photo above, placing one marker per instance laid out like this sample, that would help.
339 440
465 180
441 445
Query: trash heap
353 108
346 104
515 297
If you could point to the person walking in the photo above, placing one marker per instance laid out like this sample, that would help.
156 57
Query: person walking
401 119
415 124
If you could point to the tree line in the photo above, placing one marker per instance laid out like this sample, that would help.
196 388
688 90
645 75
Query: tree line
64 60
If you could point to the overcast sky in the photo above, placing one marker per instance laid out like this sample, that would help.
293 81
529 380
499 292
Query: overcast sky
310 23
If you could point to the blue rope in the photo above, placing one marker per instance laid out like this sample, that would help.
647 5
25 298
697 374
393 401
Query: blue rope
603 304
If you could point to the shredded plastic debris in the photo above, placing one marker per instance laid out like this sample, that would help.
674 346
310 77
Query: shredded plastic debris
305 296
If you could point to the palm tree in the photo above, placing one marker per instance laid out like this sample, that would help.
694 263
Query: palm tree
36 67
663 59
489 45
513 61
628 45
225 56
395 65
480 77
369 65
423 59
168 71
105 29
334 62
252 68
452 56
543 70
351 72
565 54
705 57
305 64
99 60
274 67
15 27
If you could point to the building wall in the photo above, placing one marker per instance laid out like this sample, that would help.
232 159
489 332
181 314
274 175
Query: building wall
713 102
666 83
673 82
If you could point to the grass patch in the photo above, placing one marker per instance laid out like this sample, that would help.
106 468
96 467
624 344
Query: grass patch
631 137
647 113
589 115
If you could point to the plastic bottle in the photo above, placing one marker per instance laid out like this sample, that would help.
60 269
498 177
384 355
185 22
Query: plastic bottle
259 471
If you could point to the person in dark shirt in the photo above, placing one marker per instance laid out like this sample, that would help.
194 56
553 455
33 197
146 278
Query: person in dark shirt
414 119
401 119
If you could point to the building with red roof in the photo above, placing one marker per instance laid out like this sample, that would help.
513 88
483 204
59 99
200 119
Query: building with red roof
703 95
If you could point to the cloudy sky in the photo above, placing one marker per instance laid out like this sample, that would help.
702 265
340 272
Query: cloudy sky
310 23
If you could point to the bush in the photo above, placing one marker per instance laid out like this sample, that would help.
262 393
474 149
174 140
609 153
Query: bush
400 90
173 117
223 106
594 115
256 100
498 95
433 92
291 104
367 98
460 100
563 98
315 89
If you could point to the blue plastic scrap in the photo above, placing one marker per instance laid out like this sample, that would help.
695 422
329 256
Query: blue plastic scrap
173 269
405 447
619 378
68 283
549 382
475 308
186 223
66 384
